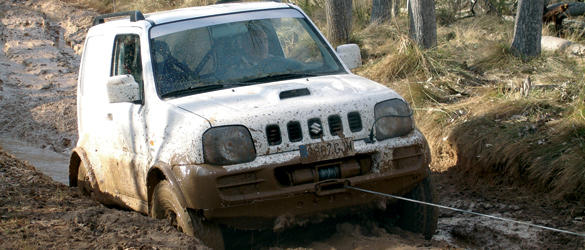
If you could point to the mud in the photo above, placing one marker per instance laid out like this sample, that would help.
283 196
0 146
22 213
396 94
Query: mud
41 42
38 213
38 77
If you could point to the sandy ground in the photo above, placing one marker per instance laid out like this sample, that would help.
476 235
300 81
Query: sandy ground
41 43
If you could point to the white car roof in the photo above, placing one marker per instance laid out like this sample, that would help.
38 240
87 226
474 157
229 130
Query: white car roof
211 10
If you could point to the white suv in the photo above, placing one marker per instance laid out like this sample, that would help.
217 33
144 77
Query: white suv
241 115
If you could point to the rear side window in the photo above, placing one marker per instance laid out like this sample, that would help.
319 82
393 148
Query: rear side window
93 69
126 59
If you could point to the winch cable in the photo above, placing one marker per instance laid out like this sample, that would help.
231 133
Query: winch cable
465 211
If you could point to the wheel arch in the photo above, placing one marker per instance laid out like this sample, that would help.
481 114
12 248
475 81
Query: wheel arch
78 156
157 174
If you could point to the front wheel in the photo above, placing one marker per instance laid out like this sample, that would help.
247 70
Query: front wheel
166 205
417 217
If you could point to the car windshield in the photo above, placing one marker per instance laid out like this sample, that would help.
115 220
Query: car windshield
213 53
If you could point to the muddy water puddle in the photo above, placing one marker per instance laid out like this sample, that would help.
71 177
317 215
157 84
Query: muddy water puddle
47 161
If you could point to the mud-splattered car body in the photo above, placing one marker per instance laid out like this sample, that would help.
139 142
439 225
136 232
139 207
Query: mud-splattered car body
248 155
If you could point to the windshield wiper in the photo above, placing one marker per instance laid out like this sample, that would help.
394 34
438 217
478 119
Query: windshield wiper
193 90
278 77
201 89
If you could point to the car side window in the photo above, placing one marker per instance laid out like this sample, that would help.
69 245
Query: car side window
126 59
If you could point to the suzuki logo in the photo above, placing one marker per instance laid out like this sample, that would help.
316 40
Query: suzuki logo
315 128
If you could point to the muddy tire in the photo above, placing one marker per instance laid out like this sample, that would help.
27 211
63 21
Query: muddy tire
83 180
166 205
416 217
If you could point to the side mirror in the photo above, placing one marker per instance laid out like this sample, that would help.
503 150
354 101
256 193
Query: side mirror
350 55
123 88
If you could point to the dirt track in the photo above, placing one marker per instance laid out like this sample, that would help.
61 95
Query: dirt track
41 43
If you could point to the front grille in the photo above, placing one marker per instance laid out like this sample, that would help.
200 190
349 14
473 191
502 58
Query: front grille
355 121
335 126
273 134
295 133
315 128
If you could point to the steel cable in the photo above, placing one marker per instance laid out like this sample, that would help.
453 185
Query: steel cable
465 211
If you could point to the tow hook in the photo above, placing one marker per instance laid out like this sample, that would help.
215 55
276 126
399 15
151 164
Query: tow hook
331 186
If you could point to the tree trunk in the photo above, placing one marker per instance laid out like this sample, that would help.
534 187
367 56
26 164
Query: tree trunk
338 14
395 9
528 29
381 11
423 22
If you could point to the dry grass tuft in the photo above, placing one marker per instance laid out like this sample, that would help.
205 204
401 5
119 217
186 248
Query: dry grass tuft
405 60
494 56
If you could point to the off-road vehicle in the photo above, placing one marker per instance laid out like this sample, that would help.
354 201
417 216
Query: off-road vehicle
239 115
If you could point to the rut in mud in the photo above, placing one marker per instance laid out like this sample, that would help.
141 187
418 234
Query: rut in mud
36 212
38 77
41 44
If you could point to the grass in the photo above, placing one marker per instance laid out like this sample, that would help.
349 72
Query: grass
467 102
529 142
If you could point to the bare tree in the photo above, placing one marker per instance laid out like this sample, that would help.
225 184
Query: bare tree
381 11
338 14
395 9
423 22
528 29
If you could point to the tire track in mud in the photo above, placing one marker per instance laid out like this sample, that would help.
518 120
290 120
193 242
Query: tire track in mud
38 75
513 202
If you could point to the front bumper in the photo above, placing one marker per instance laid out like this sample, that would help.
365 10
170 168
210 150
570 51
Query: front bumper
254 195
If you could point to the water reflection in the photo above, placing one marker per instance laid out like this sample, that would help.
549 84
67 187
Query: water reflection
49 162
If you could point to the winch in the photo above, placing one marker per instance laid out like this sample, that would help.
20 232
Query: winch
333 170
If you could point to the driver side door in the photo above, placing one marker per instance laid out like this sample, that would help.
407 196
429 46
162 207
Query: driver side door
127 166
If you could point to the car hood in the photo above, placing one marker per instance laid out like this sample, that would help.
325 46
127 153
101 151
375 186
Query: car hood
278 103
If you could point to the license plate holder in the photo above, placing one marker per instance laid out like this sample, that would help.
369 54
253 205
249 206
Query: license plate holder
327 150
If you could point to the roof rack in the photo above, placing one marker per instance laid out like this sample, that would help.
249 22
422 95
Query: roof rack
135 15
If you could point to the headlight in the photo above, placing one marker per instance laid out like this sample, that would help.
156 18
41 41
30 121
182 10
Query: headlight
228 145
393 119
